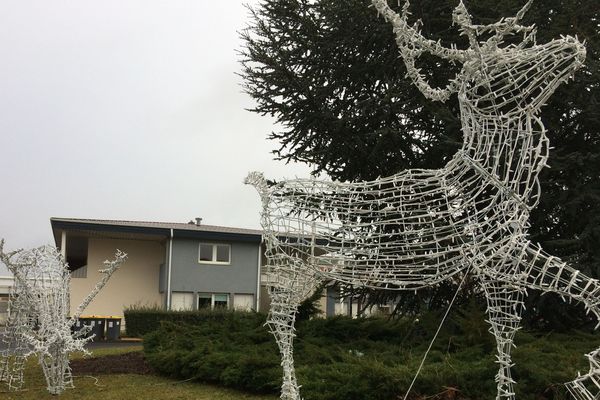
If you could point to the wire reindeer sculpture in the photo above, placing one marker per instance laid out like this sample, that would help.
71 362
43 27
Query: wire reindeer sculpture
420 227
38 322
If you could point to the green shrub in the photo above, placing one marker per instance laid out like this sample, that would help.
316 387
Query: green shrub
366 359
310 307
235 351
141 320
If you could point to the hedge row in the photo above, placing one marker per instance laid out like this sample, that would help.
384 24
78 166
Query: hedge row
367 359
139 321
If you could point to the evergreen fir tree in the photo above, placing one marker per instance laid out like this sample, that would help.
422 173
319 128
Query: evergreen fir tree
330 73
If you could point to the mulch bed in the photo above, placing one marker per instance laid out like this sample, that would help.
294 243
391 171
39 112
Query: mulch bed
126 363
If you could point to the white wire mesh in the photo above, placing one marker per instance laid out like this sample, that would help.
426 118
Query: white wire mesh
420 227
38 321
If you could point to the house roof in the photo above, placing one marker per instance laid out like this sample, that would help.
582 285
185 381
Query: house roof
155 229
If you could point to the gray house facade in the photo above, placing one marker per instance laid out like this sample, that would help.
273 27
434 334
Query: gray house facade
210 271
175 266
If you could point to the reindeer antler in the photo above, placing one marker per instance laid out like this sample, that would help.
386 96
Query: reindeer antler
8 259
522 11
462 18
411 34
507 26
412 44
110 268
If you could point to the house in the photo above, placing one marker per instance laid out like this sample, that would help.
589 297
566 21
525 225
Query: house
6 284
170 265
173 266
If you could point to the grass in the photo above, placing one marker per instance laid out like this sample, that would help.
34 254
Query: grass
130 386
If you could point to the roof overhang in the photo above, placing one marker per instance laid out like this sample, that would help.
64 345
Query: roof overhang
93 229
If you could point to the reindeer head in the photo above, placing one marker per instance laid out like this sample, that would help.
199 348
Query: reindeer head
496 78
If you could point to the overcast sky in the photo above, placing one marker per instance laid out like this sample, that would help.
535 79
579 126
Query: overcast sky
126 110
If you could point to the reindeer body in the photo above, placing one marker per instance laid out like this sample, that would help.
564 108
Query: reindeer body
38 323
420 227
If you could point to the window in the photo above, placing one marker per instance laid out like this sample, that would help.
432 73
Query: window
206 252
76 256
213 300
243 302
181 301
221 300
204 301
210 253
222 253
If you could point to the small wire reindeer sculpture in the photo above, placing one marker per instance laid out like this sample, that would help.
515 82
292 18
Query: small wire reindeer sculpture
38 322
420 227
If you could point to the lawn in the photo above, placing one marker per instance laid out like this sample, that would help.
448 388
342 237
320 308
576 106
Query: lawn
123 386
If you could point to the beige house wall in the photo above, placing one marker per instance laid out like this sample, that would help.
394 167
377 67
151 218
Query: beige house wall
136 282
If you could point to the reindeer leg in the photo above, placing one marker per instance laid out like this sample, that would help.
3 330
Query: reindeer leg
504 307
538 270
290 287
280 321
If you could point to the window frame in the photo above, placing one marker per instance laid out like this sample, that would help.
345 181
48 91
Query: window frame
214 261
205 295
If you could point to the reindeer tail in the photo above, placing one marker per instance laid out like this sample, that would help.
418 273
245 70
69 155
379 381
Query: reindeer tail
257 179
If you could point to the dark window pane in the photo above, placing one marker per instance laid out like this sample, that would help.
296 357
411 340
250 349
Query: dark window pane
206 252
204 301
223 253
